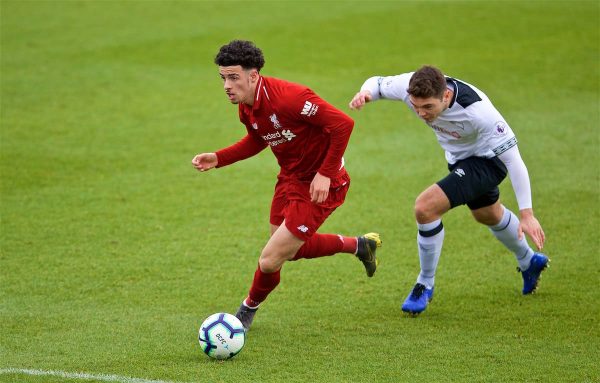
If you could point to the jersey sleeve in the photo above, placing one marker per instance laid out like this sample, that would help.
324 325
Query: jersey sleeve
499 138
519 177
493 130
247 147
316 112
390 87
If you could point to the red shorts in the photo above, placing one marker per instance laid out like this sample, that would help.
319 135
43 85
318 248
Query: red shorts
303 218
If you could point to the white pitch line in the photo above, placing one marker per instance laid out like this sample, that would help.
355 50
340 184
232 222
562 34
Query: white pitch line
80 375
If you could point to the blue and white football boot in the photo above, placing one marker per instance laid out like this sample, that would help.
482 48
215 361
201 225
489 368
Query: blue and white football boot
418 299
531 276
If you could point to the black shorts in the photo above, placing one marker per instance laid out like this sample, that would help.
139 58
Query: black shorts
474 181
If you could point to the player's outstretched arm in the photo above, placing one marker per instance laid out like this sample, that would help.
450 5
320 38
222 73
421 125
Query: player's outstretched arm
530 226
360 99
519 178
205 161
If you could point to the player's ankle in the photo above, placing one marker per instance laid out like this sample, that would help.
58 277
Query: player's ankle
250 303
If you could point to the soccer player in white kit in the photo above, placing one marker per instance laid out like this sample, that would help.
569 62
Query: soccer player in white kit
480 149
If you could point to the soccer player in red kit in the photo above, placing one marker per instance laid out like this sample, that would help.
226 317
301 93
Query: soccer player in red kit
308 137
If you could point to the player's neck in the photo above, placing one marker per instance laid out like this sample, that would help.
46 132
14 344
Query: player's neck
251 95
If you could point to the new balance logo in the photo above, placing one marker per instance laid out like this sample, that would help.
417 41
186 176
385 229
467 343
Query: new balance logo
459 172
302 228
306 108
254 126
288 134
309 109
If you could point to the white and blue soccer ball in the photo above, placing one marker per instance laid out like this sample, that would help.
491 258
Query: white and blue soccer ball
222 336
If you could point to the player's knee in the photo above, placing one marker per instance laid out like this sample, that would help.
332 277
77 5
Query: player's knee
271 260
268 265
423 210
431 204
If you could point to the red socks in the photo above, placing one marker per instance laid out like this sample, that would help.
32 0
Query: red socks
321 245
262 285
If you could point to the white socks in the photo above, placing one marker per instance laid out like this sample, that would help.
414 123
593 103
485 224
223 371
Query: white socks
507 232
429 240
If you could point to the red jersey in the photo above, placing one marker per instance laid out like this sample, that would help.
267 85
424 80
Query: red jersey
306 134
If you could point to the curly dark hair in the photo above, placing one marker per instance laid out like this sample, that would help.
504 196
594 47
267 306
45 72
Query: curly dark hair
427 82
240 52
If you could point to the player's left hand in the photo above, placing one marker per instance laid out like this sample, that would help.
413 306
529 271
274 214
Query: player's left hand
530 226
319 188
360 99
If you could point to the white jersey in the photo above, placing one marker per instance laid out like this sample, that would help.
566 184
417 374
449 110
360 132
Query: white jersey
471 126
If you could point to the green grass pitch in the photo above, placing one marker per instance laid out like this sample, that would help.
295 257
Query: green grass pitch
114 249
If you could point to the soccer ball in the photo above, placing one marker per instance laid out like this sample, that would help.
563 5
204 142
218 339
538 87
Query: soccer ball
221 336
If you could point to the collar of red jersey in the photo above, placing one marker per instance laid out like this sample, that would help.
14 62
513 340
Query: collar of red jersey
260 93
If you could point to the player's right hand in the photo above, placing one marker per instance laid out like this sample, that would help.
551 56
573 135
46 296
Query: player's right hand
529 225
205 161
360 99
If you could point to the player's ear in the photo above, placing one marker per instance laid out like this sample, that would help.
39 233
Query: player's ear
447 95
254 75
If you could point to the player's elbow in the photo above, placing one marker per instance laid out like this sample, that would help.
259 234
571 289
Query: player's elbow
348 124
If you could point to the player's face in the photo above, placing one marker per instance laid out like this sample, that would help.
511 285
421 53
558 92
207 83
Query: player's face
239 83
430 108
